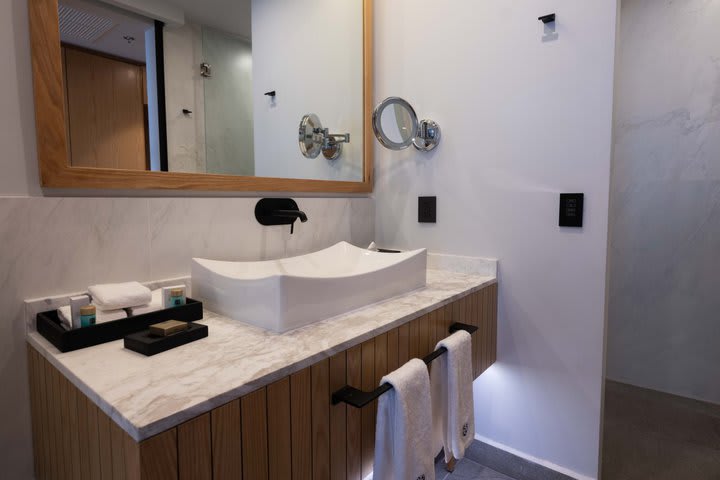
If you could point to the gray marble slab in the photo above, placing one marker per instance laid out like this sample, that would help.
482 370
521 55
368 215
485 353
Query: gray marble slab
461 264
148 395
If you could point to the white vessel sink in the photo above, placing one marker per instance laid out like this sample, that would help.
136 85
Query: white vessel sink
281 295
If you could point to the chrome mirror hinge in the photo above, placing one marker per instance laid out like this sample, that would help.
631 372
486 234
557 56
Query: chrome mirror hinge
314 139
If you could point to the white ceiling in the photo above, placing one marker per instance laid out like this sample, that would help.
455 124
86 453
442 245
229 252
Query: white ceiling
101 27
98 26
232 16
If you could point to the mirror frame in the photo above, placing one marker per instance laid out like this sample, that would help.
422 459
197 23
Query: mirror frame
51 129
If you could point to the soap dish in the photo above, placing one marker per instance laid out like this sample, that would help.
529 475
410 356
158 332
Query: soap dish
147 344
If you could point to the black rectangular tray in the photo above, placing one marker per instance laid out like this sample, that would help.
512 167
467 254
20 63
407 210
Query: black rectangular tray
147 344
48 325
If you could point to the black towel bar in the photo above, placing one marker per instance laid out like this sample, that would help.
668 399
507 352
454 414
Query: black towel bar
358 399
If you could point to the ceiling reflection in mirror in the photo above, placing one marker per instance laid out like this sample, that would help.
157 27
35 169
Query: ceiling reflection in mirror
217 87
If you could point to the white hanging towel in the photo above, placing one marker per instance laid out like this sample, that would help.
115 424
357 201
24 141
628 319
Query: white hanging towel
452 396
403 434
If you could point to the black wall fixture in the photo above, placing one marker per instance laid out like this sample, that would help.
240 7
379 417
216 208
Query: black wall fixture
162 116
427 209
279 211
271 93
547 18
571 209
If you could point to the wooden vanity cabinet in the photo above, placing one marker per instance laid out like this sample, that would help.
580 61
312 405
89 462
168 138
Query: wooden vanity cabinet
286 430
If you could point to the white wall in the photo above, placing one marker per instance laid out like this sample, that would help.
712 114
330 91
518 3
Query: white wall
663 326
54 245
310 53
522 120
17 121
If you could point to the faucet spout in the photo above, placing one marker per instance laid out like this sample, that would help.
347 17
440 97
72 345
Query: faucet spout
279 211
299 214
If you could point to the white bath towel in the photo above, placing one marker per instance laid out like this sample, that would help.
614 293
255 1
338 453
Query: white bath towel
113 296
452 396
101 316
155 304
403 434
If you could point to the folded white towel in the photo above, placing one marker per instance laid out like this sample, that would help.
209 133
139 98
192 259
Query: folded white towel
101 316
155 304
113 296
452 396
403 434
65 316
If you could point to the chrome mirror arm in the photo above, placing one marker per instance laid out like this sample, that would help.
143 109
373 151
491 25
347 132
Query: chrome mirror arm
315 139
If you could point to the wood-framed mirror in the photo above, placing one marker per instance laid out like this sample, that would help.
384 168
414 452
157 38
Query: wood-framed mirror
299 57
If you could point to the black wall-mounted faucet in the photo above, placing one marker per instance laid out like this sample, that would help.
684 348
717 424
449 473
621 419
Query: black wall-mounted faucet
279 211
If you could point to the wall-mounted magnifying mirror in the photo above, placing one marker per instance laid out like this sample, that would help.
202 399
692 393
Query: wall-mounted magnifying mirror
396 126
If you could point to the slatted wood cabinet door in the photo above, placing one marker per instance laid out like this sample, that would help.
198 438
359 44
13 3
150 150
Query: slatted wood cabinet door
286 430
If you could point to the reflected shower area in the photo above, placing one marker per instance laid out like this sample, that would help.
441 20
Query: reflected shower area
209 103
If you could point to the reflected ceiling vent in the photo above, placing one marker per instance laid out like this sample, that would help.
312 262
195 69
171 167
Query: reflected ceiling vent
82 25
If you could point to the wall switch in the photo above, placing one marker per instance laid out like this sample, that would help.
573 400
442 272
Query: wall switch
571 209
427 209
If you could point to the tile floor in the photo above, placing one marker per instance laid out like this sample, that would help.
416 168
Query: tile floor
467 469
657 436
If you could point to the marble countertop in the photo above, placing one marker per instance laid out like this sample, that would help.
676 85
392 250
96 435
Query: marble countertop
148 395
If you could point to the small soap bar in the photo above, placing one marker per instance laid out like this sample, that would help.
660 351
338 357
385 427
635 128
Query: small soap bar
169 327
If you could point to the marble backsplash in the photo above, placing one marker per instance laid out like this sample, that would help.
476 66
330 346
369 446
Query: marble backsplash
52 246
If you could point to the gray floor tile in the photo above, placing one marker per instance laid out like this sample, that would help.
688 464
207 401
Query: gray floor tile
440 472
467 470
509 464
653 435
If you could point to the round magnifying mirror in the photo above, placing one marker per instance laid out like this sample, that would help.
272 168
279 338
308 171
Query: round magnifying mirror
395 123
308 136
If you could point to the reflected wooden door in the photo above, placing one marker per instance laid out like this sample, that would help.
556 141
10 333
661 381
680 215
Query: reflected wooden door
105 110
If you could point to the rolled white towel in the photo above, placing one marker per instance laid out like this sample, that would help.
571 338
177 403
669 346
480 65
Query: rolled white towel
155 304
101 316
114 296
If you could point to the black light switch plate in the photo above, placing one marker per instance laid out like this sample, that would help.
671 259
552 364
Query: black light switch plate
427 209
571 209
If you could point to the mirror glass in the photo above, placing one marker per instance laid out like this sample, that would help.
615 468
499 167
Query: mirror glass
212 86
395 123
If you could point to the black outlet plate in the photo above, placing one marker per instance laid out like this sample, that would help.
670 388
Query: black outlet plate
427 209
571 209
